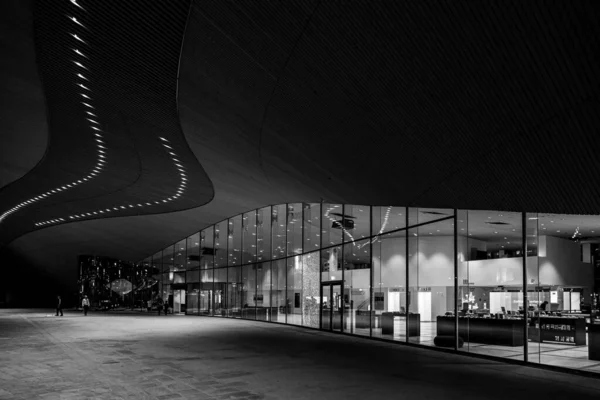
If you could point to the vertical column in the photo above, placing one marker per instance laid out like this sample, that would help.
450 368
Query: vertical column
343 310
302 261
407 293
455 279
285 262
256 266
321 264
371 272
525 296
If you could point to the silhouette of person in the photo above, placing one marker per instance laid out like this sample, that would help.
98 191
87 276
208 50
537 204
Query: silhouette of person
59 306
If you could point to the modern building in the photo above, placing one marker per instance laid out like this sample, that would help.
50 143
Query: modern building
421 172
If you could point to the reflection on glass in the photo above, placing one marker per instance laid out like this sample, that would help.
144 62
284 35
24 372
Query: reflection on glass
431 280
374 275
249 237
263 234
278 292
219 290
234 292
333 222
221 244
490 295
357 287
312 226
388 218
278 229
207 248
294 229
389 286
234 240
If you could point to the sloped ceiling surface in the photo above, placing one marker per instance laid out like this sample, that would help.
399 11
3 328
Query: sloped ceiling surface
449 104
109 72
23 128
480 105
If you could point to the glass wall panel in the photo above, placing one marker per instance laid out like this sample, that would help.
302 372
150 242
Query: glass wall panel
278 221
389 286
431 281
422 215
331 264
147 284
192 276
264 308
387 219
193 254
312 226
357 287
234 292
157 276
249 291
294 290
294 229
279 291
357 222
206 291
234 240
491 304
562 305
464 284
207 248
168 276
249 237
263 233
192 299
333 221
219 289
220 244
252 266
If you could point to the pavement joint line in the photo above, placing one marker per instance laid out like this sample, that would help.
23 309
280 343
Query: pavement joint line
69 350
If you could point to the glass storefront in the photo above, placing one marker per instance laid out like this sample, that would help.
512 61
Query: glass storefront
517 286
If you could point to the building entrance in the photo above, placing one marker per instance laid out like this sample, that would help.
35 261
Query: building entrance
179 304
331 306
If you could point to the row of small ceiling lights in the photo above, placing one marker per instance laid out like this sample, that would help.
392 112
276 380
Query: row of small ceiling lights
179 192
97 131
92 118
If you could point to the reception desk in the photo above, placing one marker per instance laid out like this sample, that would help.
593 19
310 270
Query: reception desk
503 332
388 320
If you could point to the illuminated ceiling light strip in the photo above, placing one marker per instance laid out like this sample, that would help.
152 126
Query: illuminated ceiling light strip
101 153
77 22
79 53
75 3
78 38
179 191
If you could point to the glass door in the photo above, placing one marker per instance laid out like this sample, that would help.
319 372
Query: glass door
179 304
331 306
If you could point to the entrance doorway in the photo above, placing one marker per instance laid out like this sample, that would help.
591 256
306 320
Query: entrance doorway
179 301
331 306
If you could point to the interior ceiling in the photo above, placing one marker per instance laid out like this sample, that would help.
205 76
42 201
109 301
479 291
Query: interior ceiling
431 104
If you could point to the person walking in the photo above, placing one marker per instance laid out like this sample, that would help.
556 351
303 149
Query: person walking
85 303
159 305
59 306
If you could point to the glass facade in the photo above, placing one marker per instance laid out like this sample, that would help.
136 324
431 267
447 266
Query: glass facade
517 286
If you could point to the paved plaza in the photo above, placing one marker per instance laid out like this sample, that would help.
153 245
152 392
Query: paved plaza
144 356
